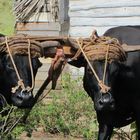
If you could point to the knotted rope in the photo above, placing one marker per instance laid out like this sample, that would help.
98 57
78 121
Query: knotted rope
100 48
20 81
19 45
22 47
96 49
31 67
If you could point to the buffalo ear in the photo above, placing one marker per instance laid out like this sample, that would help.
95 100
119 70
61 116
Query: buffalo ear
80 62
114 67
1 65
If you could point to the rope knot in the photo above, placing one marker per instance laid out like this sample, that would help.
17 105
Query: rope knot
20 84
104 88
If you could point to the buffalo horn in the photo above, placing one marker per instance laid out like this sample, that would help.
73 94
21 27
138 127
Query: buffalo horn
130 48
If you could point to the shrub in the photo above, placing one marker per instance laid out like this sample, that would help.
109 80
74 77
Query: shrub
69 112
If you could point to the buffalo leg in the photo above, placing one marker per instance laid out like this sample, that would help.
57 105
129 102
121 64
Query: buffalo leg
136 106
138 124
105 132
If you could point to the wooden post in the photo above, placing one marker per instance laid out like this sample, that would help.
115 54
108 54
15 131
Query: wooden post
63 11
63 17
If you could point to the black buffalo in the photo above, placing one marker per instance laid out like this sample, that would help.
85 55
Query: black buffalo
8 78
121 104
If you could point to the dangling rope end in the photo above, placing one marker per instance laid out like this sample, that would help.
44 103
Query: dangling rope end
104 88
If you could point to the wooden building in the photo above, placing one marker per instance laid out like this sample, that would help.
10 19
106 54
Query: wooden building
42 17
86 15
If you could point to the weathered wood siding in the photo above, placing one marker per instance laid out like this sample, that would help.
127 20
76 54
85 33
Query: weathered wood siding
43 73
42 24
86 15
43 28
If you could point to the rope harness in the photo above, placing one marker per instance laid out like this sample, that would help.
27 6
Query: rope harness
100 48
22 47
56 68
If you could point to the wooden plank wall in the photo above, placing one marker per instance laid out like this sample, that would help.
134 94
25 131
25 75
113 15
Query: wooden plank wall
43 73
42 24
86 15
43 28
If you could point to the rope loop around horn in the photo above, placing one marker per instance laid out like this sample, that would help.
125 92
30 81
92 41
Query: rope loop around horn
19 45
95 48
100 48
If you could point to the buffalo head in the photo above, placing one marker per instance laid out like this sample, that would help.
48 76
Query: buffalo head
101 69
103 99
18 70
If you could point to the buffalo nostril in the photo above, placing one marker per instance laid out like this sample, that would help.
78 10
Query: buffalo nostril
30 94
26 95
19 97
100 102
112 103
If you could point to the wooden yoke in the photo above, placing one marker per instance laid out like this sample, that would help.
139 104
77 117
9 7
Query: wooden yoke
131 48
69 45
50 45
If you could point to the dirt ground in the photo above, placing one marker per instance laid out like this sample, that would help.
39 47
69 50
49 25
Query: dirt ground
41 135
48 137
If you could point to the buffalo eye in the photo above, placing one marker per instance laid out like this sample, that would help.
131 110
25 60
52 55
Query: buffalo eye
114 68
9 67
89 71
36 63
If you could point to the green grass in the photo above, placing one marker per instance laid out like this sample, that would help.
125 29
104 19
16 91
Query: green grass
7 19
69 113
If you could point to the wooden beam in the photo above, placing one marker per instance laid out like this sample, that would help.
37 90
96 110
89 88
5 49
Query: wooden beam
130 48
69 53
